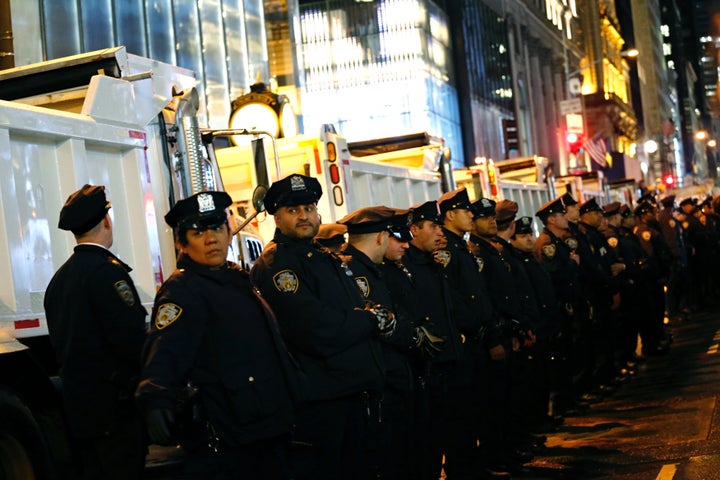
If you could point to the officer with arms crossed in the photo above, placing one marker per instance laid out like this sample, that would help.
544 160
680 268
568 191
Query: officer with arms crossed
212 330
329 329
97 327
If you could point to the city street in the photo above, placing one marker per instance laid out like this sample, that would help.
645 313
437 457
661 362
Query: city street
661 424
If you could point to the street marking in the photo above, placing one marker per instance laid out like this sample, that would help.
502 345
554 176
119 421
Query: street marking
667 472
713 349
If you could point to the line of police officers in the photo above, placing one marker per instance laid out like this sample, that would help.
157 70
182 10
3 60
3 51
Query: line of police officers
435 339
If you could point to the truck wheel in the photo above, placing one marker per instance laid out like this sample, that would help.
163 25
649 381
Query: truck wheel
23 452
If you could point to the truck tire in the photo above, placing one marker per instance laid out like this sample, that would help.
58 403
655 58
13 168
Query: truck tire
23 451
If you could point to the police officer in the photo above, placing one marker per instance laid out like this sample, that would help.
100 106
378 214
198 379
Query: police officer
369 232
675 239
446 385
473 312
209 328
329 328
97 327
556 250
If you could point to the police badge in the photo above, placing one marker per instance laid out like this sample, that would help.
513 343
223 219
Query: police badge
286 281
613 242
443 257
166 315
549 250
646 235
205 203
125 292
363 285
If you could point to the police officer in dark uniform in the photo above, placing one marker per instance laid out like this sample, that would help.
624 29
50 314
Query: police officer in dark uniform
473 312
556 250
446 384
700 252
675 239
210 329
328 327
390 437
97 327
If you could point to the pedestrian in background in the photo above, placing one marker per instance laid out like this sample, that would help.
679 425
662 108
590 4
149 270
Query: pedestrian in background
96 324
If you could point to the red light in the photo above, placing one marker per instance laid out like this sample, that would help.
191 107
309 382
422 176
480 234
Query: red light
669 180
334 174
572 137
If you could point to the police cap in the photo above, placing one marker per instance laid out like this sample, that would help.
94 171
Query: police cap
611 209
505 212
688 201
643 208
457 199
553 206
483 207
590 206
84 209
292 190
625 210
368 220
202 210
429 210
568 200
668 202
331 234
524 225
649 198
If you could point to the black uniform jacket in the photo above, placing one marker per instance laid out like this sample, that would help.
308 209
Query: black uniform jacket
424 289
209 326
553 253
472 307
97 327
320 312
397 349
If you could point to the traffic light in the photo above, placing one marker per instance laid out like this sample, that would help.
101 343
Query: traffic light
574 142
669 181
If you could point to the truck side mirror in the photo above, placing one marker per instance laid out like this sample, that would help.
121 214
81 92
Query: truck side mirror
258 198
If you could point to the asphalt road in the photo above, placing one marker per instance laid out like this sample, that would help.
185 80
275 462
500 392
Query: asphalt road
661 424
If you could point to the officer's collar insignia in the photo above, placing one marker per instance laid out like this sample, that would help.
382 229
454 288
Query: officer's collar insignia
123 289
646 235
613 242
205 203
572 243
480 263
549 250
286 281
672 223
363 285
297 183
443 257
166 315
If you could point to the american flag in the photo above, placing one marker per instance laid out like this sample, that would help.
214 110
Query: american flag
597 149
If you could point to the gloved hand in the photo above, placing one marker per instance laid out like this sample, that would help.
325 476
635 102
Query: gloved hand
429 344
385 320
158 422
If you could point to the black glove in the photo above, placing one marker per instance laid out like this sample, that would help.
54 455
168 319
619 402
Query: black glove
385 320
429 344
158 422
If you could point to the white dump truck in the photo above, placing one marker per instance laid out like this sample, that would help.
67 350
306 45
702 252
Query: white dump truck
129 123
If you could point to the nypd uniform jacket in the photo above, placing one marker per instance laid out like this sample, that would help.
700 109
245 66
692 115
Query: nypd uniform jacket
209 327
553 253
320 312
372 284
473 309
429 295
659 256
595 266
97 326
672 231
540 280
501 280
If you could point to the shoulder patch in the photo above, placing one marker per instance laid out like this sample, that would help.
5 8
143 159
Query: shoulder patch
443 257
125 292
363 285
286 281
166 315
571 242
646 235
549 250
685 225
613 242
